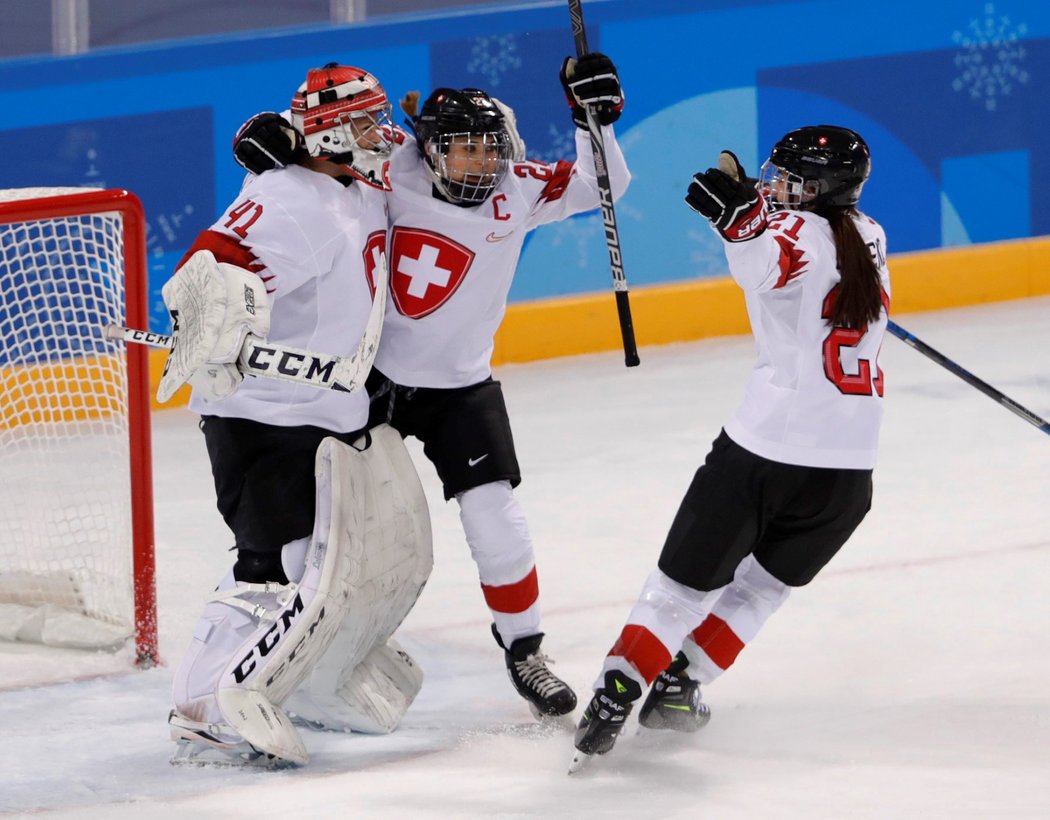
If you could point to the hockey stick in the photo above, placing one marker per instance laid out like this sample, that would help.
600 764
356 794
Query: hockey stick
292 364
968 377
273 361
612 233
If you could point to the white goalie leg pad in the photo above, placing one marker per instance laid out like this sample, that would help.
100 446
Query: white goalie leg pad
372 699
392 555
294 633
214 306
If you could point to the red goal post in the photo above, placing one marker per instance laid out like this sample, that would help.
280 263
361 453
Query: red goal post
76 490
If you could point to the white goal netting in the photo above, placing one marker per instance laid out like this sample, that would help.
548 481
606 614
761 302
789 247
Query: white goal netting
66 540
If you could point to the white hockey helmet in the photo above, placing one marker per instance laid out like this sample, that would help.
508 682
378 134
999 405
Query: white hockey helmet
344 115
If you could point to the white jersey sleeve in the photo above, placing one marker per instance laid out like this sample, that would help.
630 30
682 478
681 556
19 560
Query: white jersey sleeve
815 394
575 184
316 245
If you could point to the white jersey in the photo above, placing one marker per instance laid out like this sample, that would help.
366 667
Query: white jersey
316 245
451 267
815 395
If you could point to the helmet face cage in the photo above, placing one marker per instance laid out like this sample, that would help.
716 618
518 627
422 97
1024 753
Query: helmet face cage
463 139
783 189
815 166
365 130
468 167
345 116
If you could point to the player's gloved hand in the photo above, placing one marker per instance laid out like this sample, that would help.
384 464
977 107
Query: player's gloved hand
214 307
727 197
265 142
592 81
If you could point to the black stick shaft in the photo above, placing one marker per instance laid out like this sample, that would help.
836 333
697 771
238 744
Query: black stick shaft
968 377
612 231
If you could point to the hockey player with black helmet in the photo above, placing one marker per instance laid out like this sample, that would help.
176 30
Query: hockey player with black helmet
463 199
789 478
464 140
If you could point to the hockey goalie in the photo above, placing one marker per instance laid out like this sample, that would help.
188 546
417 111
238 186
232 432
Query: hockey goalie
331 527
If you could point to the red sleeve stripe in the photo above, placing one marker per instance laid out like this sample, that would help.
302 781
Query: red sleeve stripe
718 640
511 599
557 184
225 249
643 650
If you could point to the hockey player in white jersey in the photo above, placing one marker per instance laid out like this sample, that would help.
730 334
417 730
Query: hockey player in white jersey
789 478
295 259
461 205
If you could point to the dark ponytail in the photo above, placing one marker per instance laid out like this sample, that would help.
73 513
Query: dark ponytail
859 299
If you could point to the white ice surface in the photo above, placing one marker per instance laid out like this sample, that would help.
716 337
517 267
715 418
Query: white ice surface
911 679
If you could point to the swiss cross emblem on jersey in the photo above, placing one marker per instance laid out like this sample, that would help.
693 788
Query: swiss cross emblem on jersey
426 268
375 247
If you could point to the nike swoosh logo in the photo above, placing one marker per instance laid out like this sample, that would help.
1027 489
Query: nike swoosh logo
472 461
497 237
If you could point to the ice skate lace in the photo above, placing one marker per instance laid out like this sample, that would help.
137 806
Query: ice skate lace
534 673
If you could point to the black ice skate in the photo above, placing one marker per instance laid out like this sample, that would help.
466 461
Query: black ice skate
548 695
674 701
604 718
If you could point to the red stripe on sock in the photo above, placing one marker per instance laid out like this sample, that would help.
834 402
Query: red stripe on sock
513 598
718 640
643 650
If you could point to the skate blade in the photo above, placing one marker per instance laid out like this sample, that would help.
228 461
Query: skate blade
580 760
202 756
553 722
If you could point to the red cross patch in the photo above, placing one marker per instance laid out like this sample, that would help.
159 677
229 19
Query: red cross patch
426 269
375 247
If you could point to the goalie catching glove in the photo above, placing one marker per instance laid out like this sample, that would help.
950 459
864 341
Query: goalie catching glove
214 307
729 199
267 141
592 81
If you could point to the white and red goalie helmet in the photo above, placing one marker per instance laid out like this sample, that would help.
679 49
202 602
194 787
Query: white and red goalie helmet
343 114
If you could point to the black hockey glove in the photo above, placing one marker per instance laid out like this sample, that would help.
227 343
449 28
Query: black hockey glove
729 199
265 142
592 80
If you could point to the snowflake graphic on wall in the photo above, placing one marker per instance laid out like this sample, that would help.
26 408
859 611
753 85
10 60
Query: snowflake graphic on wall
562 143
493 57
991 57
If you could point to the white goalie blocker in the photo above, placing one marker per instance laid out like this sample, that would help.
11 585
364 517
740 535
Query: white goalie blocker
367 560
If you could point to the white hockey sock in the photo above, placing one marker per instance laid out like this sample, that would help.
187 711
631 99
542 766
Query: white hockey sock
736 618
499 540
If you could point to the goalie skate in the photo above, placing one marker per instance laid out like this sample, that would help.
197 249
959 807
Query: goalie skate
213 745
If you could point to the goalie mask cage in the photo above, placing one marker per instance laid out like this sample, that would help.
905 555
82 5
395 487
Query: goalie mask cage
76 489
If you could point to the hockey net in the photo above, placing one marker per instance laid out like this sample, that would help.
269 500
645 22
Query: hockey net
76 504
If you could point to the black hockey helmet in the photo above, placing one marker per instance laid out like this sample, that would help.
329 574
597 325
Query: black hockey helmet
469 114
816 165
